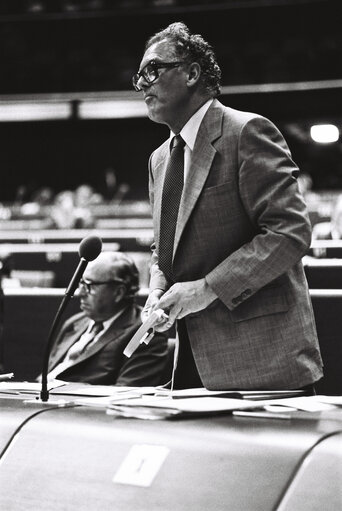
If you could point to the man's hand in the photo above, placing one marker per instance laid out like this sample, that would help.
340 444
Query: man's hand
182 299
151 303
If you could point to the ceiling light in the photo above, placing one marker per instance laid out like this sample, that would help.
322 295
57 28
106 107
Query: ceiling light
34 111
111 109
324 133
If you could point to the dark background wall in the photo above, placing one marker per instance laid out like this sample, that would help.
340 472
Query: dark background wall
65 154
67 46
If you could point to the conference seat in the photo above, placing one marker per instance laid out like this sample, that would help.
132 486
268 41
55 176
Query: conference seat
327 305
323 273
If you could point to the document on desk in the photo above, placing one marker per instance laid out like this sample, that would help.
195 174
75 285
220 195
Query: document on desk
26 387
164 407
115 395
88 390
239 394
158 402
151 407
304 403
331 400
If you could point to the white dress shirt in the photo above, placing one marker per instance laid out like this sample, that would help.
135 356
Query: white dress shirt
189 134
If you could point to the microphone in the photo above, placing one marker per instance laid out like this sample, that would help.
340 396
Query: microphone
90 247
88 250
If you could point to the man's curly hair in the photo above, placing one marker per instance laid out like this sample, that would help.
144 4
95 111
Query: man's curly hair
192 48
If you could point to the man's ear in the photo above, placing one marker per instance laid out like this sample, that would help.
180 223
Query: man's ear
194 73
120 293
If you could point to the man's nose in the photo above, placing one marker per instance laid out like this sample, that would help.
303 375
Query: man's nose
80 291
142 83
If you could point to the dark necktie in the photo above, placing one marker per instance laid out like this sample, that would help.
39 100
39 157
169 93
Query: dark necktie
172 193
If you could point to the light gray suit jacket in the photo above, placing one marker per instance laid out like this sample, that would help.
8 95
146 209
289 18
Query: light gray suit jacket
243 226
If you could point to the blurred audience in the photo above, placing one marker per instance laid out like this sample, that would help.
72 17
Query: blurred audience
304 182
331 230
112 191
108 184
44 196
85 196
66 214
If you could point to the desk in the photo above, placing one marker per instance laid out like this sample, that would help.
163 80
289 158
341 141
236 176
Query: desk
66 458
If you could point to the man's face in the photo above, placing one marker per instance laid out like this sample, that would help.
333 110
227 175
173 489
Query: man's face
102 301
167 97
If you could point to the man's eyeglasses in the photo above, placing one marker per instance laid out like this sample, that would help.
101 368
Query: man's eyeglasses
150 72
88 285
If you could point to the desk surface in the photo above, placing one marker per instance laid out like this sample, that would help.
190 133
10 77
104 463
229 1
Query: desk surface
66 458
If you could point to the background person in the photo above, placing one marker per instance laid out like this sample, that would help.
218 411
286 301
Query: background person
89 347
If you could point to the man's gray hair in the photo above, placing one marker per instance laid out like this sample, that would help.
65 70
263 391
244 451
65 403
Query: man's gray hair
192 48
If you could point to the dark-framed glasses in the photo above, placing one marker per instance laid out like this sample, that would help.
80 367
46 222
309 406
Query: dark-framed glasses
88 284
150 72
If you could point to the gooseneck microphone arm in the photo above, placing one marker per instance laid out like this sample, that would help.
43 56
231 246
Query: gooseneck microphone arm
89 249
44 393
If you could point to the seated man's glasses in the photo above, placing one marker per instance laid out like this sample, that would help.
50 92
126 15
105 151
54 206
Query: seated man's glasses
150 72
88 284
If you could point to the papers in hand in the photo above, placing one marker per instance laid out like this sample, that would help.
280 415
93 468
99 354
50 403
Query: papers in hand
145 332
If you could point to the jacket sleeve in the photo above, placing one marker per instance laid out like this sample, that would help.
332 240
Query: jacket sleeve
271 197
145 367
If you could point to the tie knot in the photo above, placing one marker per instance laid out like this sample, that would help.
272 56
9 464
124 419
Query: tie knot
96 328
177 141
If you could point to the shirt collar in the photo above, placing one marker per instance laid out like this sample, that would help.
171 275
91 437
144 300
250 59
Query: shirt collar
106 323
190 129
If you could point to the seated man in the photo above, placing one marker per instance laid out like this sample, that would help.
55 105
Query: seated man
89 347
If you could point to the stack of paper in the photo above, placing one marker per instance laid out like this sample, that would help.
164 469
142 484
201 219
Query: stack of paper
152 407
238 394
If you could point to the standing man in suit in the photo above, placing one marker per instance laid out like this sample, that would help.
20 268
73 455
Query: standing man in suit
89 348
234 283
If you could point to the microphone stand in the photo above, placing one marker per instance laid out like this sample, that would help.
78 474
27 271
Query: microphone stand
69 293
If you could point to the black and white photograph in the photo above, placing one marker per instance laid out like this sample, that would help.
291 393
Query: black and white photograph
171 255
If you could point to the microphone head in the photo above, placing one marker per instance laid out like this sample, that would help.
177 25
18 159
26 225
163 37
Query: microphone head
90 247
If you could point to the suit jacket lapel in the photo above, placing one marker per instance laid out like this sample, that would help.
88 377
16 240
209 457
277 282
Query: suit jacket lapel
202 158
203 155
119 326
70 337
